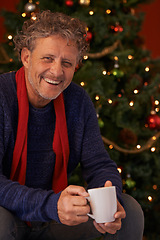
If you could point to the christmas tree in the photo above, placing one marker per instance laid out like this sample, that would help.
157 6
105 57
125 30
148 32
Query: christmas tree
123 83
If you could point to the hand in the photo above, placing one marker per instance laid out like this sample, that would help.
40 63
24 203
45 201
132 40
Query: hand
72 206
112 227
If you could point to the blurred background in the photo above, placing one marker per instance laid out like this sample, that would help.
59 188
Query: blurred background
121 73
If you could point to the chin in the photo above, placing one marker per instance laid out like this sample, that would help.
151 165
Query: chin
51 97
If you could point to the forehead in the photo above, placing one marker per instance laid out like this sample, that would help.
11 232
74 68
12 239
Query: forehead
55 44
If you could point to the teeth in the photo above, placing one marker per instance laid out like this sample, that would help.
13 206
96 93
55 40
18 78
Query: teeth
51 81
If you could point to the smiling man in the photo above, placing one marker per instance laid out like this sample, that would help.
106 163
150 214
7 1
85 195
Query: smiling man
48 125
49 69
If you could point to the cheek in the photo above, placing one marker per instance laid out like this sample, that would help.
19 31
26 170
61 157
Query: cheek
70 75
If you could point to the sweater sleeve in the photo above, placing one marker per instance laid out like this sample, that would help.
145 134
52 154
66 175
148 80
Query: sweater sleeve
28 204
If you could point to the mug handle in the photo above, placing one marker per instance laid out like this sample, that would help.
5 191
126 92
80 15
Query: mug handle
89 214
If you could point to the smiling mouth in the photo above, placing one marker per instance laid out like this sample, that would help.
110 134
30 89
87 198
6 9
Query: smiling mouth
53 82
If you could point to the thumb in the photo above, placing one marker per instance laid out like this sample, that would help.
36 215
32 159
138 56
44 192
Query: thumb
108 184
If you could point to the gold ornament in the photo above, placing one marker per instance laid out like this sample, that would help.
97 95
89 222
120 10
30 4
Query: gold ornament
30 7
84 2
105 51
147 146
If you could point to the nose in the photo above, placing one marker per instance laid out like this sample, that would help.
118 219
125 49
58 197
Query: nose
56 68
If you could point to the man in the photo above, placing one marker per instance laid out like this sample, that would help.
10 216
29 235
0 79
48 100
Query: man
47 126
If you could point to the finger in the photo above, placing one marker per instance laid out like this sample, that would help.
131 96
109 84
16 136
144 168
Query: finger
110 228
77 190
72 220
98 227
120 211
108 184
113 227
81 210
79 201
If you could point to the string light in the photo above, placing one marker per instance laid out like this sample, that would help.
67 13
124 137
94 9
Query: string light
104 72
91 12
85 57
153 149
150 198
108 11
156 102
115 58
119 170
34 17
131 104
130 57
24 15
136 91
156 109
154 138
138 146
97 97
82 84
111 147
110 101
10 37
147 69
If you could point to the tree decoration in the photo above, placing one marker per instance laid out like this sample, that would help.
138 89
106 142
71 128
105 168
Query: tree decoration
128 137
100 123
69 3
117 28
89 36
84 2
30 7
116 71
105 51
147 146
130 182
153 121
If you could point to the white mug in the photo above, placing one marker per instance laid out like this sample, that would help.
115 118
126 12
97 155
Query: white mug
103 202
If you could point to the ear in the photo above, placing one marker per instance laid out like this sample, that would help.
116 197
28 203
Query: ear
25 55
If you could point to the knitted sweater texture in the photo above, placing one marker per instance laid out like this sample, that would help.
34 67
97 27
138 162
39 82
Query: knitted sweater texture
36 201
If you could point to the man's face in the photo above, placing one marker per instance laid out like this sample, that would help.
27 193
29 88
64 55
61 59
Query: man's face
49 68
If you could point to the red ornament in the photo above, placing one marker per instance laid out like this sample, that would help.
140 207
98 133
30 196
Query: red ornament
117 28
89 36
153 121
69 3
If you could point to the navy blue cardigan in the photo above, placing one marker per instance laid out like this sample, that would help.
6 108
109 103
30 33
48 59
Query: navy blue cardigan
36 201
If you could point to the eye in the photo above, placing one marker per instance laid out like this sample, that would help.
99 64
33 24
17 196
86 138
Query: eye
67 64
47 59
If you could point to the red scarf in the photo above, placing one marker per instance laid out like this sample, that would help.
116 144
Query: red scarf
60 140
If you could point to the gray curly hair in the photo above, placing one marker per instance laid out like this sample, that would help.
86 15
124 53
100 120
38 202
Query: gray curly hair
47 24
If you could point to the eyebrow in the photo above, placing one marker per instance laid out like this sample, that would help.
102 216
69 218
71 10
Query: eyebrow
53 56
